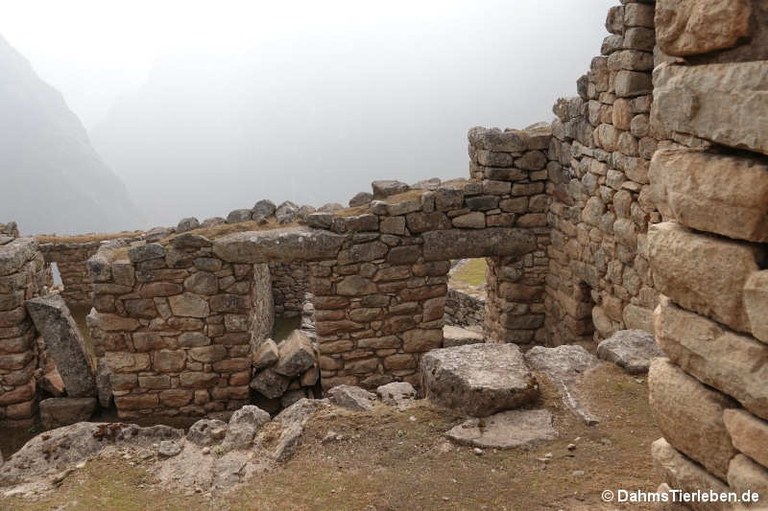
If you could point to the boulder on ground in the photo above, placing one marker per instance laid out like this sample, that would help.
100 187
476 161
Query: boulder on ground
63 411
352 398
457 336
238 215
399 394
385 188
270 384
478 379
187 224
505 430
286 212
243 426
263 209
361 199
207 432
632 350
266 354
296 355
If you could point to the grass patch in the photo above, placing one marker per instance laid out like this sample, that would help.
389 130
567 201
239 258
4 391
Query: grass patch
471 272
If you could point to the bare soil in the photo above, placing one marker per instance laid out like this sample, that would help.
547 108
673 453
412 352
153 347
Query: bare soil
399 460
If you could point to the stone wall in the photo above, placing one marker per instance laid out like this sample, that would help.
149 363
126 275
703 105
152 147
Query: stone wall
176 325
290 282
23 275
709 257
599 280
464 308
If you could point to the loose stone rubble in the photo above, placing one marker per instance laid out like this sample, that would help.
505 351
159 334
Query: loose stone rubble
634 350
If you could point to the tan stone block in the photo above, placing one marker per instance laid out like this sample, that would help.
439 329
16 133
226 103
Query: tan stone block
746 475
400 361
702 273
723 194
169 361
693 27
176 398
111 322
198 380
734 364
137 402
690 416
756 303
748 434
189 305
122 362
682 474
419 341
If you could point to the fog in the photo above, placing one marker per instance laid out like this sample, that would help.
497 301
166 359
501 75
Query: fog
201 108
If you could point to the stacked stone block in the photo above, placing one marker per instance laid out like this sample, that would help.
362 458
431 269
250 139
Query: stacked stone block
709 257
464 308
290 282
599 280
22 276
175 325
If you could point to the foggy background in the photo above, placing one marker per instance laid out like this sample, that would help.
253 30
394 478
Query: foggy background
202 107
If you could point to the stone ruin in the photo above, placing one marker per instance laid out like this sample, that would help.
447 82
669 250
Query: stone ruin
643 205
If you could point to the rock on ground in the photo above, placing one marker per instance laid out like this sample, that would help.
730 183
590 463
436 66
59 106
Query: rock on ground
243 426
478 379
505 430
63 411
206 432
401 395
631 349
457 336
352 398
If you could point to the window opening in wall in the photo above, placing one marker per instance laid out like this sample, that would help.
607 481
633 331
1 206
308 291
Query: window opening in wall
465 304
57 282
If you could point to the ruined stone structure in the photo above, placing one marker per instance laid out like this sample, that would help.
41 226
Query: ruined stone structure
648 192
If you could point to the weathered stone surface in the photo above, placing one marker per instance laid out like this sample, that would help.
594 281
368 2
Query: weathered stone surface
187 224
505 430
287 212
732 363
681 473
360 199
702 273
691 100
270 384
206 432
296 355
457 336
292 421
239 215
478 379
14 254
384 188
493 139
680 401
748 434
464 243
692 27
399 394
266 354
746 475
562 366
631 349
189 305
723 194
146 252
756 303
62 411
351 397
65 344
263 209
287 244
243 426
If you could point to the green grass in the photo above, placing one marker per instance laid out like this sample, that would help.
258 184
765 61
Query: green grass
472 272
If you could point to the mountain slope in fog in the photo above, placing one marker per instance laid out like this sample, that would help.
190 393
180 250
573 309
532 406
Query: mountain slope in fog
51 179
315 117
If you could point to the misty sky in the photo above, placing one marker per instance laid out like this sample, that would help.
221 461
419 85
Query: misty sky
457 63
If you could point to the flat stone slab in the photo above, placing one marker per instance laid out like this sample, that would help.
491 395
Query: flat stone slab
632 350
506 430
466 243
478 379
285 245
457 336
353 398
65 344
63 411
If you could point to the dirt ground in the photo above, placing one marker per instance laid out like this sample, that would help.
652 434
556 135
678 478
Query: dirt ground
391 460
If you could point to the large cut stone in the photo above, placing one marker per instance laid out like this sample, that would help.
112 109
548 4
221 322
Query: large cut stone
284 245
723 194
692 27
748 434
352 398
756 302
270 384
243 426
746 475
189 305
399 394
734 364
681 403
702 273
296 355
681 473
65 344
464 243
505 430
478 379
631 349
457 336
15 253
724 103
563 366
63 411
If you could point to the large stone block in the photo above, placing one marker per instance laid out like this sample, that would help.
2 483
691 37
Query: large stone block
702 273
288 244
463 243
65 344
478 379
734 364
724 103
756 302
63 411
744 475
748 434
690 416
14 254
710 192
693 27
682 474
